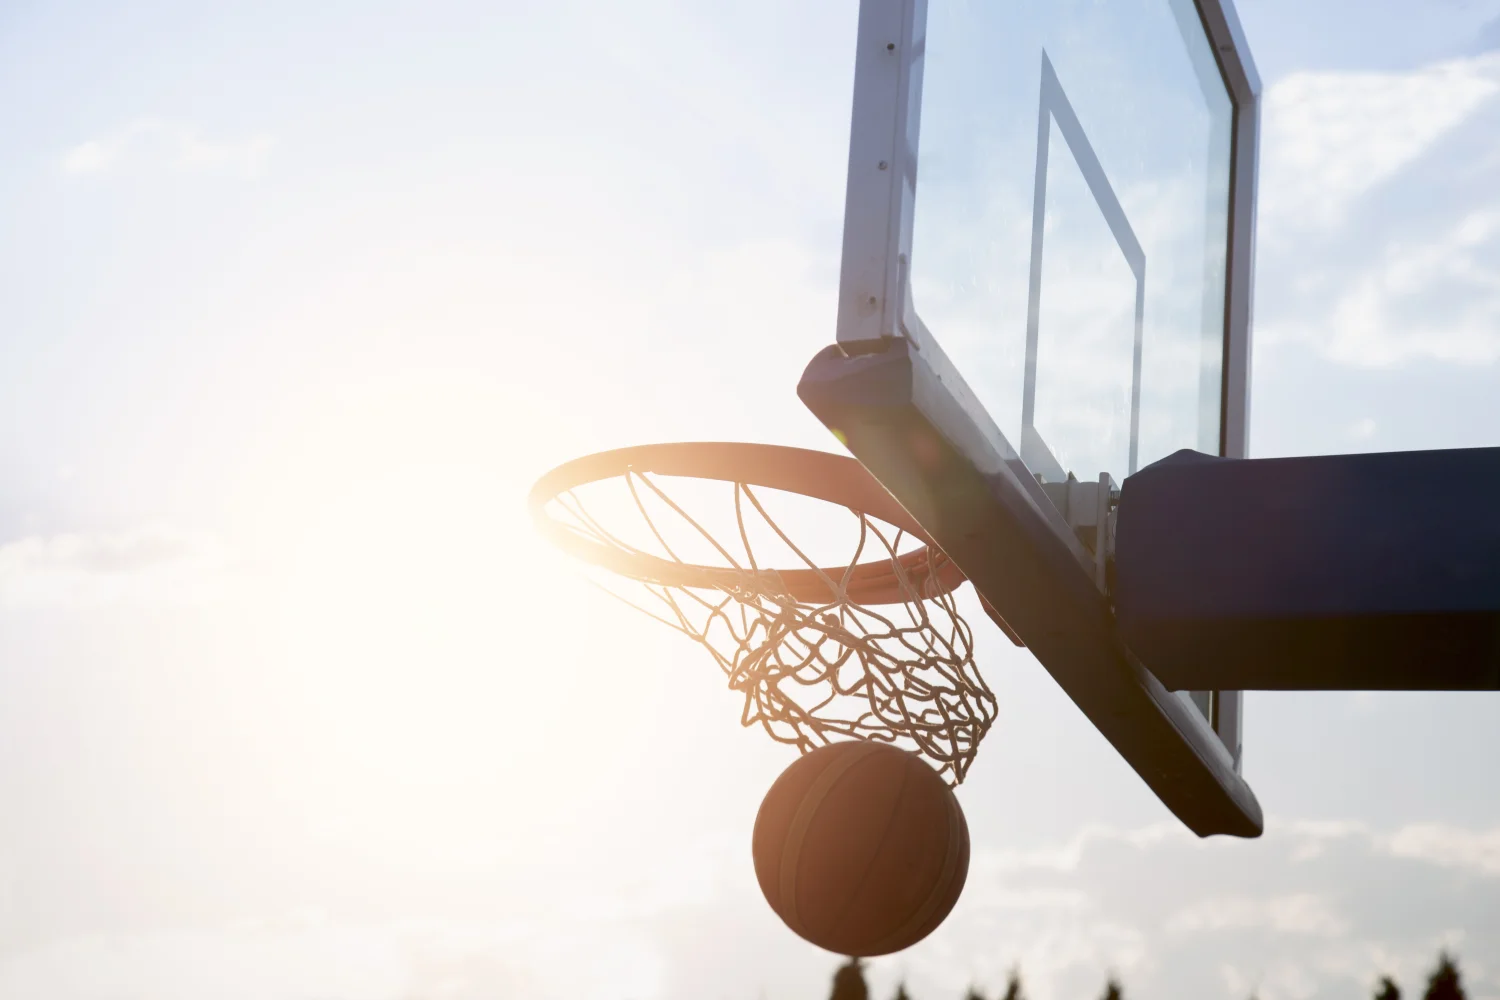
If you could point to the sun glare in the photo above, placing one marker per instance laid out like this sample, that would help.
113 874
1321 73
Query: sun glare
446 661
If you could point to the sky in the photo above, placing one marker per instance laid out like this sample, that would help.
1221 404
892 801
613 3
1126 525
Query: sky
298 300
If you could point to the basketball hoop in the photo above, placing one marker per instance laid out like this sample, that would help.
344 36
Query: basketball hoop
866 647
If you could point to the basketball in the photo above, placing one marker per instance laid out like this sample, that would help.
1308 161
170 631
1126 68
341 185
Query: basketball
861 848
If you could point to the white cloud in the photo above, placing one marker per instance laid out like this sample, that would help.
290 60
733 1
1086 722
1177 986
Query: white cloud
1475 851
1297 913
1312 909
1304 911
152 564
1380 242
1067 856
1439 300
1434 299
187 965
168 145
1330 137
90 157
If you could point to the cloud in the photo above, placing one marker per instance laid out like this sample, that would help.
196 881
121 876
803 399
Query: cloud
168 145
1380 231
90 157
1296 913
1330 137
1439 300
194 964
1067 856
1315 908
152 564
1435 299
1305 911
1476 852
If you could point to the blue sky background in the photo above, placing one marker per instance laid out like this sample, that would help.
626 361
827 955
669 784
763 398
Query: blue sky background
298 300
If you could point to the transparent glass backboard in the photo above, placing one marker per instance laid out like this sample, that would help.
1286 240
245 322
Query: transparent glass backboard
1071 224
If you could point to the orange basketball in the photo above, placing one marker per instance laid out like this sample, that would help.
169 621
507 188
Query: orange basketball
861 848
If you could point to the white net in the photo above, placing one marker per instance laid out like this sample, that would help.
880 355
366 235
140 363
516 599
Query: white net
871 649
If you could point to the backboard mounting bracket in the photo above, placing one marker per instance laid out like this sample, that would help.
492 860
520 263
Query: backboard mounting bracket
1089 509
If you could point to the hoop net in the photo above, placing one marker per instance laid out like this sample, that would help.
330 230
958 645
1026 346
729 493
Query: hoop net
873 648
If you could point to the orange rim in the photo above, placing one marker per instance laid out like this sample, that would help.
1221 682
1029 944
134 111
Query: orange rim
836 479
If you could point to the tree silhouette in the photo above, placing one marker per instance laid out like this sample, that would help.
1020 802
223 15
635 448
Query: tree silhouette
1445 982
973 994
901 993
849 982
1387 989
1112 990
1013 986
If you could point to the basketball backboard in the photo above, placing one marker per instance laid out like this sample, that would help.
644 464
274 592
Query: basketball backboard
1046 276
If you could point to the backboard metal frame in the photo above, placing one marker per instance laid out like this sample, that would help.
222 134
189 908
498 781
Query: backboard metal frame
876 309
